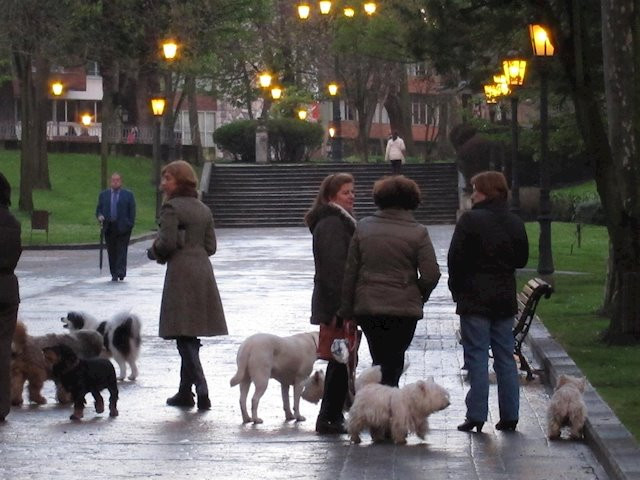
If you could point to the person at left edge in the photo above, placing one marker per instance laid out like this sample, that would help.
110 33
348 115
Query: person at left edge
116 212
10 251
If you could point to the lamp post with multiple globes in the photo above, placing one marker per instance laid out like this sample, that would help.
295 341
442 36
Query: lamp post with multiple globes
326 7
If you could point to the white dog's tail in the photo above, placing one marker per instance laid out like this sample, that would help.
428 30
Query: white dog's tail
242 361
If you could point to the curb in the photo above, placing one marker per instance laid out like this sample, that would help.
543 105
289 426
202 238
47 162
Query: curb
612 443
87 246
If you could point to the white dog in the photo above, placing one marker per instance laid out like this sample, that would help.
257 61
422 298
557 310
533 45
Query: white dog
287 359
385 410
121 336
567 407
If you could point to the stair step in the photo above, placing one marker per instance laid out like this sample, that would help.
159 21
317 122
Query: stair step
279 195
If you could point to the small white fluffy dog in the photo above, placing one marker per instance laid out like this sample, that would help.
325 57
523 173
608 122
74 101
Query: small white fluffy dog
121 336
287 359
567 407
385 410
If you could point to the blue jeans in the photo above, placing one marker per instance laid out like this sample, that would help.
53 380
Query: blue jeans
478 334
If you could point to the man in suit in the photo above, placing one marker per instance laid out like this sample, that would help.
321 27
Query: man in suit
116 212
10 251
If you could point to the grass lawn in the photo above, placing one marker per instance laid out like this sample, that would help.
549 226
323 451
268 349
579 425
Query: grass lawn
571 316
75 181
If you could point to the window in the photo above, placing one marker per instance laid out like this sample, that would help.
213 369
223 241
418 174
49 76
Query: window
417 69
92 68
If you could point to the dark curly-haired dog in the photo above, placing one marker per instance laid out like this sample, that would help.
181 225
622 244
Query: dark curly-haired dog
80 377
28 363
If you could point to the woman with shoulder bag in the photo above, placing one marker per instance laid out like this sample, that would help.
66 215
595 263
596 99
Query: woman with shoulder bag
331 222
191 305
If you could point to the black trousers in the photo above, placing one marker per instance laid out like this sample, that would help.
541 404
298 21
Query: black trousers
396 167
191 372
8 318
388 338
117 245
336 387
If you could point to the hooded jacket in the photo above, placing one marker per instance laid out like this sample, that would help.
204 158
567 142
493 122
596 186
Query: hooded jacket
332 228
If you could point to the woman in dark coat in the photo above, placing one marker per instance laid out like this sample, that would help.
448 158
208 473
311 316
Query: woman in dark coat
331 223
391 271
191 305
487 246
10 251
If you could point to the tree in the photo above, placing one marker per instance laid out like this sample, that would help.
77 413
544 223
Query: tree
34 37
607 115
618 179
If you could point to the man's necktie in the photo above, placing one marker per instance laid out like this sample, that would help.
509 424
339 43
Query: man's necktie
114 205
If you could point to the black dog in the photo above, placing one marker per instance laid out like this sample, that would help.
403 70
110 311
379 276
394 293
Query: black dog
80 377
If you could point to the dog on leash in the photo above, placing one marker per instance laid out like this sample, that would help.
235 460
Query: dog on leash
287 359
567 407
80 377
395 412
121 336
28 363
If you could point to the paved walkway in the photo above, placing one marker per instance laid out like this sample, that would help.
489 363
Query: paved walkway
265 278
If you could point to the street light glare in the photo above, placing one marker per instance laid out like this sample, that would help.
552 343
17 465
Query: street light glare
370 8
169 49
265 80
325 7
86 119
57 88
333 89
542 46
276 93
157 106
349 12
304 10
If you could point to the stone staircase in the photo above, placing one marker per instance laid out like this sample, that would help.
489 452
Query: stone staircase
278 195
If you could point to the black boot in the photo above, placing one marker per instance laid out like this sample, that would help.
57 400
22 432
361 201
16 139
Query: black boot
183 398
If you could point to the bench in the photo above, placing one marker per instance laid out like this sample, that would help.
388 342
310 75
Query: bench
528 299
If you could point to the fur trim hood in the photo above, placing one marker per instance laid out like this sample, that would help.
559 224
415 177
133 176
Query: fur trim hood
327 210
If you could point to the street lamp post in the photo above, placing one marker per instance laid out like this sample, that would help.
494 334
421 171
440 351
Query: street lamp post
514 70
542 49
56 89
169 53
262 135
336 139
157 107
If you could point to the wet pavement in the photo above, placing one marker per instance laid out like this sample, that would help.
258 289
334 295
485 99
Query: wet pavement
265 278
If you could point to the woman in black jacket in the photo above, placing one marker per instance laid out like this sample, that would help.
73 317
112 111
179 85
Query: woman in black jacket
331 222
487 246
10 251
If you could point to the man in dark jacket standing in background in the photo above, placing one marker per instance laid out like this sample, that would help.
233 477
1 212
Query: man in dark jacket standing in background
487 246
10 251
116 212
